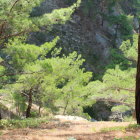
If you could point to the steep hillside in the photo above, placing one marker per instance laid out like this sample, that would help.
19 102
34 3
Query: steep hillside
95 28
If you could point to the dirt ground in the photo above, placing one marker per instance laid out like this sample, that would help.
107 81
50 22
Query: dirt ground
56 130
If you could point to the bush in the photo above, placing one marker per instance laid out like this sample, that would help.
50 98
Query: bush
128 119
133 126
30 123
124 24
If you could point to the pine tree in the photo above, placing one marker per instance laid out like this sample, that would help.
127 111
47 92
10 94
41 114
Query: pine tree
137 90
32 77
22 65
16 17
137 97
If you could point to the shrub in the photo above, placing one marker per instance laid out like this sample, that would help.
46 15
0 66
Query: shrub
30 123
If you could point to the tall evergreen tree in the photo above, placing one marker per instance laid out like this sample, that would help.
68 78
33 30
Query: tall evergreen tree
137 90
19 61
137 97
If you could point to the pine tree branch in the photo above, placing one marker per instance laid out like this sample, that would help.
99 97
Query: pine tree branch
20 73
13 35
14 5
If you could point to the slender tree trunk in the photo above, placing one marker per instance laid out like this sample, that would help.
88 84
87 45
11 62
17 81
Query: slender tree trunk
66 107
137 92
39 110
0 115
28 111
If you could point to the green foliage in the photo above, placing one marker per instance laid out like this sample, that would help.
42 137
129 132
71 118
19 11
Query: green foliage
131 138
117 58
57 16
111 4
126 56
117 138
33 77
59 83
118 128
26 123
30 53
53 81
129 49
136 5
129 119
123 23
120 108
133 126
87 6
20 102
118 84
2 71
15 17
69 79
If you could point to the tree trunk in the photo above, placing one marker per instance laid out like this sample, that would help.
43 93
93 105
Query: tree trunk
39 110
28 111
0 115
137 92
65 107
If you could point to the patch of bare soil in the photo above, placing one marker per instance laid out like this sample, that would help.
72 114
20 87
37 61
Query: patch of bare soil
64 130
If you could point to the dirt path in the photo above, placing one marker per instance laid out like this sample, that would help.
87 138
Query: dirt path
65 130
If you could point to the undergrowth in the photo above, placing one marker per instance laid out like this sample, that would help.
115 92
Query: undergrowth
133 126
25 123
116 128
121 128
128 138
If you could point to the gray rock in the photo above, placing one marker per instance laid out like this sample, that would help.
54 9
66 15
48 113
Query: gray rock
136 24
93 120
69 118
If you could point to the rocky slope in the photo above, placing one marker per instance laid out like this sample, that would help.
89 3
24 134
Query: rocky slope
89 32
95 28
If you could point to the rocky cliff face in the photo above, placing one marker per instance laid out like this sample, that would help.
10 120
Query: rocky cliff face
89 32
